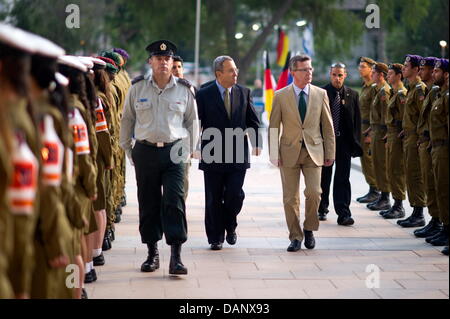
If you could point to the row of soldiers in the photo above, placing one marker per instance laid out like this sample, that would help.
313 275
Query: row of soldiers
62 173
405 142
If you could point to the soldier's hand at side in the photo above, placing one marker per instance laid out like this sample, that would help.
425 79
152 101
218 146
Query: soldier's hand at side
257 151
276 163
197 155
108 168
59 261
93 197
328 162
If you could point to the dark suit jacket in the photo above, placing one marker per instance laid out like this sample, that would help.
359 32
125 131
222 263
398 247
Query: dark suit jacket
212 114
351 121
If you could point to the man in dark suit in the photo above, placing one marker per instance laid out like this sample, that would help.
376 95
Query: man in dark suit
226 115
344 105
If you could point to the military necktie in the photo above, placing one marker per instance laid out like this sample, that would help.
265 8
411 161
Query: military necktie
302 105
226 100
336 111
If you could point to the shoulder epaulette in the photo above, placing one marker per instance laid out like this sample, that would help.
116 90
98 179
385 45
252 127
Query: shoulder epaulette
435 87
187 84
137 79
374 85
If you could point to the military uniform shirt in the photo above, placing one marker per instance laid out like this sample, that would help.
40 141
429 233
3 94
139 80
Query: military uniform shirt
439 126
158 115
365 100
414 102
396 107
379 105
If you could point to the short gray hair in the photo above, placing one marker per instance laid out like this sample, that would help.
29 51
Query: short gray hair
298 58
219 61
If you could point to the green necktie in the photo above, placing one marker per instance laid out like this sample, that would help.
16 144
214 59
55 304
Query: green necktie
302 105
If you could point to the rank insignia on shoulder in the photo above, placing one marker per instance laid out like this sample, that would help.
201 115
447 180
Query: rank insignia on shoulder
137 79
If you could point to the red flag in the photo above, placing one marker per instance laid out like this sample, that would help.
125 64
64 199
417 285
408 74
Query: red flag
283 80
282 47
269 86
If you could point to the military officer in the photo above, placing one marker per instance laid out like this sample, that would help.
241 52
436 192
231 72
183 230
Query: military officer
378 130
395 167
159 112
366 97
439 135
414 100
423 129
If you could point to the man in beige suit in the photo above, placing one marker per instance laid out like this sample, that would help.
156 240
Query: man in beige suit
301 117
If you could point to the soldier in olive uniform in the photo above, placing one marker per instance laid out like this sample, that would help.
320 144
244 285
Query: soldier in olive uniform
439 134
378 130
160 112
423 129
366 97
414 101
395 165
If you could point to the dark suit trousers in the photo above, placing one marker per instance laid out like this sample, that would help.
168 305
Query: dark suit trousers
224 197
341 187
160 184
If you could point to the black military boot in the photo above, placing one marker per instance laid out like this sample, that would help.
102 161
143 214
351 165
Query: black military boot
152 262
106 242
118 215
442 238
397 211
382 203
370 197
176 266
123 201
415 220
445 250
431 229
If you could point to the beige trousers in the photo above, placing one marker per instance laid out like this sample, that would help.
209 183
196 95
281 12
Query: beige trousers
290 178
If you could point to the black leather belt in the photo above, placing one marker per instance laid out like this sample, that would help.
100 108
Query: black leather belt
158 145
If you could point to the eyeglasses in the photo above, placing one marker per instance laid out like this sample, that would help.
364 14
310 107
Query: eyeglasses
338 65
304 70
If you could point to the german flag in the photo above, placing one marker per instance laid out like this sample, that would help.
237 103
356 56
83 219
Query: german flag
285 77
269 86
282 47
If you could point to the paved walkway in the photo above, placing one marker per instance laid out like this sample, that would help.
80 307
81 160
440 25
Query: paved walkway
259 266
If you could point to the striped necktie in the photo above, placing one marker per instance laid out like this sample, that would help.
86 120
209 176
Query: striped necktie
336 111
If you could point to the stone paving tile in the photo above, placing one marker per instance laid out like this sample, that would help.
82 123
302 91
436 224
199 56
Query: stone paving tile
258 266
410 294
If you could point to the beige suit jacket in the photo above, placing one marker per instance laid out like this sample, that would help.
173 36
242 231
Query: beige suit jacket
287 132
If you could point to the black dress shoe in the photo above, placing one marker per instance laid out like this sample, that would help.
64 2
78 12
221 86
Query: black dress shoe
176 266
231 238
322 216
431 229
123 202
370 197
295 245
152 262
346 221
84 294
94 274
310 242
106 244
112 234
445 251
88 278
216 246
99 260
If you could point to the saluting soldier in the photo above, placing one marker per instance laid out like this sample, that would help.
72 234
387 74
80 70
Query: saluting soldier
414 101
159 113
439 134
426 164
366 98
378 130
395 164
